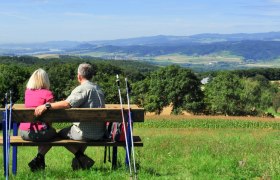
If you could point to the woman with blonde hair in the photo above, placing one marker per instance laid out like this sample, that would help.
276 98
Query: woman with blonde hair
38 93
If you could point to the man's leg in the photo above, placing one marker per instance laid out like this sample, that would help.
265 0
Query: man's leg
74 133
75 148
80 160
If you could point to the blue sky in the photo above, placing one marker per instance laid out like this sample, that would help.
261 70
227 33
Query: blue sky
23 21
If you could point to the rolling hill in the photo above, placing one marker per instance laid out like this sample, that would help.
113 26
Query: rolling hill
233 49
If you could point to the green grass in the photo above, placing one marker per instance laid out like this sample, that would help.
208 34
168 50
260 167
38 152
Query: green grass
272 111
174 149
213 124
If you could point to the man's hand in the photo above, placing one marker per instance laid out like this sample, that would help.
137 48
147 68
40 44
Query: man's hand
39 110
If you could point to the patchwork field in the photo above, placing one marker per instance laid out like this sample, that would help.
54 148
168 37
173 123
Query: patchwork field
208 59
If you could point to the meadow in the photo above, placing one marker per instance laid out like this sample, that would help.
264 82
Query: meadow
179 147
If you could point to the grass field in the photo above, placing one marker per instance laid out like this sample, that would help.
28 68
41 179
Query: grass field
207 59
180 147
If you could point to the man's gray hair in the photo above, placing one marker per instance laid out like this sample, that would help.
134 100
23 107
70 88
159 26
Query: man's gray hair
85 70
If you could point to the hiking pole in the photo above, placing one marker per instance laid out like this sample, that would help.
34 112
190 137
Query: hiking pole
10 119
124 125
9 128
8 131
130 125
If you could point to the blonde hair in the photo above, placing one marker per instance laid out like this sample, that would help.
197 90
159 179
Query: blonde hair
38 80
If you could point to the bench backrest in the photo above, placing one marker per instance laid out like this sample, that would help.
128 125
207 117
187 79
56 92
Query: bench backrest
111 112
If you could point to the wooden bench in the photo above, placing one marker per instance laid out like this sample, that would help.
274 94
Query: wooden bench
111 113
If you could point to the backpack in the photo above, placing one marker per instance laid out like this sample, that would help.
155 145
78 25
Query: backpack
115 131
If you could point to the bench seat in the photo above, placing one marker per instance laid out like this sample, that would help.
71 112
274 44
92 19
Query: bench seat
18 141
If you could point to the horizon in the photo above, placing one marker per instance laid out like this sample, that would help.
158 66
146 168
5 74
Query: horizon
36 21
39 42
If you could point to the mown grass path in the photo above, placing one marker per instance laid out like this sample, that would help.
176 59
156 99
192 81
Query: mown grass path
180 149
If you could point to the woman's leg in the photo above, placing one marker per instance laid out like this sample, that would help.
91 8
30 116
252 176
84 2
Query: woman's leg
44 149
38 163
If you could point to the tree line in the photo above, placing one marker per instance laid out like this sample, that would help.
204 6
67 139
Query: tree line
244 92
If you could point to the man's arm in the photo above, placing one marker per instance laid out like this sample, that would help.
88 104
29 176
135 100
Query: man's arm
57 105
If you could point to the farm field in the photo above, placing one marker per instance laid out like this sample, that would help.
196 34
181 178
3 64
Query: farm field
47 56
207 59
180 147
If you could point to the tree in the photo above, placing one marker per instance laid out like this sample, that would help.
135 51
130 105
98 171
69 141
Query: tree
171 85
63 78
276 102
230 95
14 78
257 94
107 82
222 94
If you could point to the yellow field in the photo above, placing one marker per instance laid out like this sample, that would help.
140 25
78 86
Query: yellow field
47 56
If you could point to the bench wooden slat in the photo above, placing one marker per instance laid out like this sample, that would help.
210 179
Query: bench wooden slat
133 106
18 141
111 113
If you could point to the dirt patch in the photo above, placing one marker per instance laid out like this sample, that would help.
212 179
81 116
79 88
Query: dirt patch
167 111
166 114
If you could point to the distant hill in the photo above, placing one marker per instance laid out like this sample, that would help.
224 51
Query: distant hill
199 38
250 50
249 47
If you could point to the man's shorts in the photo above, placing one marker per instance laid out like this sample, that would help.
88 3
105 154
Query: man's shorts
72 132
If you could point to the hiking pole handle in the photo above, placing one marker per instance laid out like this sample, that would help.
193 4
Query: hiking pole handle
128 87
118 81
11 95
6 99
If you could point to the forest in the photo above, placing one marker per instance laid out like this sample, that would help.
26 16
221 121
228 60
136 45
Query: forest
237 92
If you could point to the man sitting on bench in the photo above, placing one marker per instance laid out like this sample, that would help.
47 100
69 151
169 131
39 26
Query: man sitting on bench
86 95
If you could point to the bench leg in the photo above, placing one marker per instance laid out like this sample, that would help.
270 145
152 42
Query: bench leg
4 127
114 157
15 133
